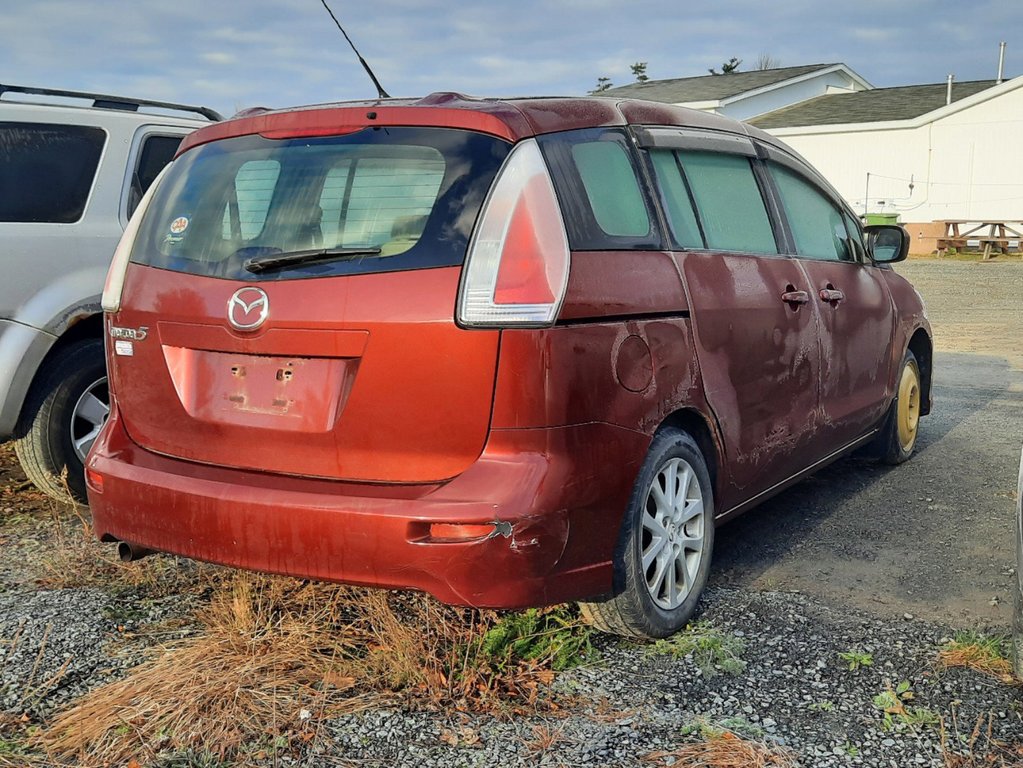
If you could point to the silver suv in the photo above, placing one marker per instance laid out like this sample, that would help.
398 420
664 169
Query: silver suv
73 166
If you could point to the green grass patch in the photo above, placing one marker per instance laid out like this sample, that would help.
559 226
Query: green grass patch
712 650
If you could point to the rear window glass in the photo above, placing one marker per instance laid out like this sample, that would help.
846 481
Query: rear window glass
46 171
403 198
730 205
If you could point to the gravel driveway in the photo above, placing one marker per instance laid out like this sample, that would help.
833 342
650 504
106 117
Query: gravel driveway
885 562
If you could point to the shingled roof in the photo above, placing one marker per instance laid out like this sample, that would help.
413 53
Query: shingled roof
874 106
710 87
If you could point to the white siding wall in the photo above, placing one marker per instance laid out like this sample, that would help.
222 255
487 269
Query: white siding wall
763 103
968 165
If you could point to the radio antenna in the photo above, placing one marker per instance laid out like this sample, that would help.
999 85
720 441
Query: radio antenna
380 89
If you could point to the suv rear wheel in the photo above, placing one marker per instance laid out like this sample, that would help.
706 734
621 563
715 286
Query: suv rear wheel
65 408
664 550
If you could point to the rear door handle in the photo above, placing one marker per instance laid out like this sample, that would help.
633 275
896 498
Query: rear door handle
831 295
795 297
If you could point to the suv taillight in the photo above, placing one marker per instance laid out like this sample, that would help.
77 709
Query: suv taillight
119 264
516 269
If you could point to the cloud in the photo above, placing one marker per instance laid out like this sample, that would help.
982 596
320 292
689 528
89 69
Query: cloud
281 52
219 57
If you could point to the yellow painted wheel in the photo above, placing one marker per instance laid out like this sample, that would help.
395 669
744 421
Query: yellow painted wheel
908 413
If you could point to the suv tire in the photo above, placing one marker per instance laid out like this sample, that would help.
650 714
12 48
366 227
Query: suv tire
67 403
645 605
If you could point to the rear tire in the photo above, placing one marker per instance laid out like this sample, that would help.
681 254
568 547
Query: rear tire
66 405
662 558
895 442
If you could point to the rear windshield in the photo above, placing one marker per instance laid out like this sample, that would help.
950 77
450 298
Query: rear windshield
386 198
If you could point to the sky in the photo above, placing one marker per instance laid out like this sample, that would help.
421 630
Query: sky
235 54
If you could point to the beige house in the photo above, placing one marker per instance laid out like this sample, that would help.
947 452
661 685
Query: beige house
917 151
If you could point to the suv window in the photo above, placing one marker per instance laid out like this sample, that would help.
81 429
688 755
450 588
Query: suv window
154 154
412 193
817 224
46 171
730 207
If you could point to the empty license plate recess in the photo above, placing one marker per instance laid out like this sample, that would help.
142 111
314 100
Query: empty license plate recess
280 393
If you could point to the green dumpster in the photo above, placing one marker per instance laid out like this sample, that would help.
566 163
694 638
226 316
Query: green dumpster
881 218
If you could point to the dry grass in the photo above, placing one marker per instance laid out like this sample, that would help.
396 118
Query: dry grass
982 653
725 749
75 558
277 656
979 749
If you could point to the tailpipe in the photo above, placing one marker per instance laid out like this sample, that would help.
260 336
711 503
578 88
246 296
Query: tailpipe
129 552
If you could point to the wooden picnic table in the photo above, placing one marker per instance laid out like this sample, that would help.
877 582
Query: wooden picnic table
992 235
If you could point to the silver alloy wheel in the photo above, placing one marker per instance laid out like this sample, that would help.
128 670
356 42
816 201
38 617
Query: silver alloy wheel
673 533
88 417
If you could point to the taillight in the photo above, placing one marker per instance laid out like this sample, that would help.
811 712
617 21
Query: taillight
119 264
516 269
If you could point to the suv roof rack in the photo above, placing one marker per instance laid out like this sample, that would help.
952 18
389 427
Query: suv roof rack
103 101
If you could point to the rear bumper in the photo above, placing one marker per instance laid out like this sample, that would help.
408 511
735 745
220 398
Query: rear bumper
558 494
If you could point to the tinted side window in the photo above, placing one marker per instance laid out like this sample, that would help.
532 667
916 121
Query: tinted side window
729 202
46 171
612 188
816 223
855 236
155 153
604 202
677 203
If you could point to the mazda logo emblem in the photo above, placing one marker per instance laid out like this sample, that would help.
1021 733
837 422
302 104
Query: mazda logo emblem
248 308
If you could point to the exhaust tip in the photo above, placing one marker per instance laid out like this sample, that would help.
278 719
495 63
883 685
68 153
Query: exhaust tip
128 552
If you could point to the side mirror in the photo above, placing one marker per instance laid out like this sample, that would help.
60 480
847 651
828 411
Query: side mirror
887 243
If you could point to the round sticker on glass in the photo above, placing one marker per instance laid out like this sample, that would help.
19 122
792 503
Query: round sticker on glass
179 225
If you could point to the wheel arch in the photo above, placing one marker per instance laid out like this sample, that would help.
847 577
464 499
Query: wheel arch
922 347
699 427
86 327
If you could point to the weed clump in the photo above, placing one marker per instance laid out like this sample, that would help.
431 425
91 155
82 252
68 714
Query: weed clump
988 654
726 747
712 651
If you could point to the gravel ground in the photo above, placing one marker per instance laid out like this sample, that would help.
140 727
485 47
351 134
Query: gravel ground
795 691
885 561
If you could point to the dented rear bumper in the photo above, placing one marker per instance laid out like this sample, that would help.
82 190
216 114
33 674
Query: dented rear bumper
551 525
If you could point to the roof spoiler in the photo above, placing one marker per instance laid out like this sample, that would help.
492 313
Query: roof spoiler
103 101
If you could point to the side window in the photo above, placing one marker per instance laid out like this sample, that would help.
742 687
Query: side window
729 202
855 236
817 224
46 171
612 188
675 195
603 198
154 154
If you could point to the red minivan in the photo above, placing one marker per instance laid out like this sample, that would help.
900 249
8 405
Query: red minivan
509 352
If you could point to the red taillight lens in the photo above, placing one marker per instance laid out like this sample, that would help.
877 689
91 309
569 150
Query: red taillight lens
94 480
516 270
461 531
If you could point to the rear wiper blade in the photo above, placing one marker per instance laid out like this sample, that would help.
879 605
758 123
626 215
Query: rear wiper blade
289 258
